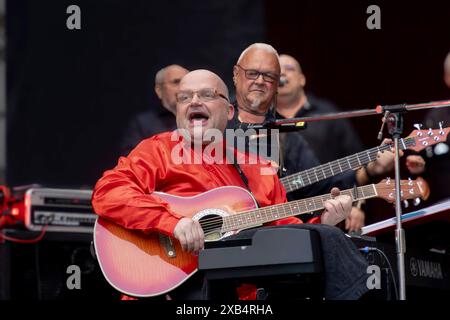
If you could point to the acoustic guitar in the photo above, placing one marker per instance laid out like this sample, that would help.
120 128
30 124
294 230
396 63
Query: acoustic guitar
146 265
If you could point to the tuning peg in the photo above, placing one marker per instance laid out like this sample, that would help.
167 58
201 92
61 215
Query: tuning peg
430 132
418 126
410 182
388 180
441 131
405 203
416 201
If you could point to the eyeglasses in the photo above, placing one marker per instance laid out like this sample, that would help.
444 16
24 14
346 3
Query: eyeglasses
204 95
254 74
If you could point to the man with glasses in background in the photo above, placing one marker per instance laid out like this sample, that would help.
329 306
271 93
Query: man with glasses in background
256 77
159 119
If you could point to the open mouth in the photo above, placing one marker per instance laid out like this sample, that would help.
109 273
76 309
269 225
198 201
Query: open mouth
198 117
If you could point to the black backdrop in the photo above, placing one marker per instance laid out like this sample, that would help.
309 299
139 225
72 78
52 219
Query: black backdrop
70 93
360 68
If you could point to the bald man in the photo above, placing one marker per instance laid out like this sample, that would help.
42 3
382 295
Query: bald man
124 194
160 118
202 104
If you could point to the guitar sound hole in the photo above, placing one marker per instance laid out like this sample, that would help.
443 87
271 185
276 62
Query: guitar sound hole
211 225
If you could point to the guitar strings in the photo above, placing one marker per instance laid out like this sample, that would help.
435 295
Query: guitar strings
298 203
334 166
218 221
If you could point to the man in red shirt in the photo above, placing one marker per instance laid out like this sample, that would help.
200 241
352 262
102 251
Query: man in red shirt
125 193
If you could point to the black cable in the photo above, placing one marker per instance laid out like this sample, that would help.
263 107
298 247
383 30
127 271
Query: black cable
367 249
390 269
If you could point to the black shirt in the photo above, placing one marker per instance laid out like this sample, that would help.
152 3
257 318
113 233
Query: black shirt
296 156
330 140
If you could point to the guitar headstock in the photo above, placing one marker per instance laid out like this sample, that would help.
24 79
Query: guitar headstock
409 189
425 138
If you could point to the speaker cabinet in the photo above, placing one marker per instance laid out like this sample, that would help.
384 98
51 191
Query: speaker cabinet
40 271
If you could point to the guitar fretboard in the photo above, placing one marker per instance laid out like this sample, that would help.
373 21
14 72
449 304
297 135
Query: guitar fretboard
260 216
307 177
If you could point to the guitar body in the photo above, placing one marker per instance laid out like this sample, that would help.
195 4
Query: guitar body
146 265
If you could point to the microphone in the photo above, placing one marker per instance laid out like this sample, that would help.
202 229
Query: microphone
380 134
283 81
271 124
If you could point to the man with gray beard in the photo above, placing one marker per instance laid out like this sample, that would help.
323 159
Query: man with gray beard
256 77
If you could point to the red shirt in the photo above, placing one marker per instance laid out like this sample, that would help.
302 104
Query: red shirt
124 194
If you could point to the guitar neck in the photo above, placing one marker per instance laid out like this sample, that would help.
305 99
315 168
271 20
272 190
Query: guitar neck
307 177
249 219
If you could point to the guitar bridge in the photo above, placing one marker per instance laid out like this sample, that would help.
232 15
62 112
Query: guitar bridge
166 243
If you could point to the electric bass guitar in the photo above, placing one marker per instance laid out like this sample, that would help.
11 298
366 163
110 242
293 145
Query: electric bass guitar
417 141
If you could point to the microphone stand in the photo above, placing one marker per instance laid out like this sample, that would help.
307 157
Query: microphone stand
394 119
395 128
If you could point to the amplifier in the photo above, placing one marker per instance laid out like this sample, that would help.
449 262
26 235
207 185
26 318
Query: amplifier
62 210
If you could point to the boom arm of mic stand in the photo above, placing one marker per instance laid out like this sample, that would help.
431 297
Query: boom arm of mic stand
367 112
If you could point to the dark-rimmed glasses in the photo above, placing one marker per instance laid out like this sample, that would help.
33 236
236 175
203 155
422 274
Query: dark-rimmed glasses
204 95
254 74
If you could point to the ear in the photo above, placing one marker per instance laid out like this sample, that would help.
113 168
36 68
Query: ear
235 72
302 80
447 80
230 111
158 91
